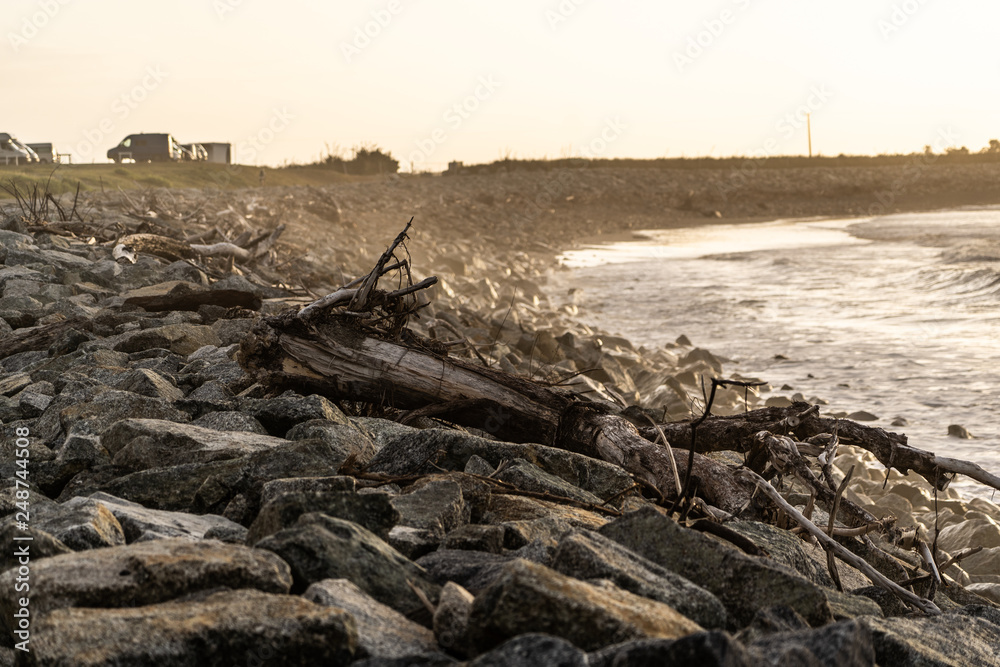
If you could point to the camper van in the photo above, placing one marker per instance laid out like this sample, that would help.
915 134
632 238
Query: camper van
45 152
13 151
147 148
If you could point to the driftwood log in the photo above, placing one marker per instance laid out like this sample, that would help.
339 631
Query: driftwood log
338 358
176 249
737 433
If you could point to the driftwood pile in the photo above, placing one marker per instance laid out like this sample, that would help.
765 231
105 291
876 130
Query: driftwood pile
353 345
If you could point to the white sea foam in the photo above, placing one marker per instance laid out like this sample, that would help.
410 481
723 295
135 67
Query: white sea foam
904 321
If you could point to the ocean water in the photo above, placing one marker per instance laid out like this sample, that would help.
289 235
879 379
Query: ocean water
896 315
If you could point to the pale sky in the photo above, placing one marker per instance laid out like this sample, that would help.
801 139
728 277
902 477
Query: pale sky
440 80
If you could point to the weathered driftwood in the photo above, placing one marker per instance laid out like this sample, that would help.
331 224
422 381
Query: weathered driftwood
345 362
831 545
737 432
175 249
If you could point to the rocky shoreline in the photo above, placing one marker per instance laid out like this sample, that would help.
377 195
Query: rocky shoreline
183 513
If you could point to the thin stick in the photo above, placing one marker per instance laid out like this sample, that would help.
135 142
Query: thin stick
831 562
670 451
906 596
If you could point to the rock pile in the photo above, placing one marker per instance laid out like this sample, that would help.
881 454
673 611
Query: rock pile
182 514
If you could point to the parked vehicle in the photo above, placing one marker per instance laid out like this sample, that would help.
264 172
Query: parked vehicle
45 152
197 152
12 150
147 148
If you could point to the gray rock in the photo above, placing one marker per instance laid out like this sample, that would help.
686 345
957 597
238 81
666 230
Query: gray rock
533 649
533 598
451 618
84 447
41 545
790 550
231 332
702 649
588 555
382 631
80 524
476 465
373 512
140 523
433 503
952 640
413 542
12 383
227 628
140 444
182 339
475 537
208 488
280 414
32 404
106 408
845 644
279 487
343 438
230 421
529 477
382 431
742 583
145 573
411 453
148 383
320 547
199 372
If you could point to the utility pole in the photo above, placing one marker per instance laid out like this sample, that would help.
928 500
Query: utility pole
809 132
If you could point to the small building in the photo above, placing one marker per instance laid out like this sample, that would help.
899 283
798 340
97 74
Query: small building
219 152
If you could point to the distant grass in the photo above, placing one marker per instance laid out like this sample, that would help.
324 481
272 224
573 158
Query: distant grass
110 177
734 162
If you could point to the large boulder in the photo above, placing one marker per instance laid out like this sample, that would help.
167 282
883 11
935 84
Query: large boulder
742 583
320 547
704 649
533 598
372 511
533 649
142 524
227 628
948 640
144 573
204 488
280 414
140 444
587 555
80 523
382 631
411 453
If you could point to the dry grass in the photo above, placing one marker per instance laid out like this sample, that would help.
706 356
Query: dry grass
65 178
